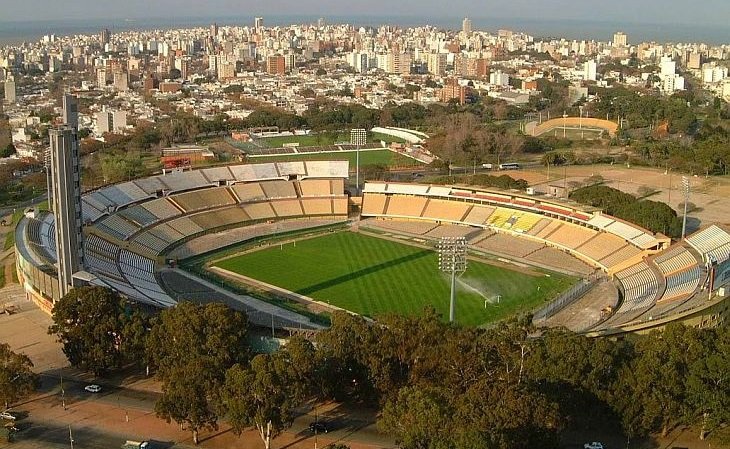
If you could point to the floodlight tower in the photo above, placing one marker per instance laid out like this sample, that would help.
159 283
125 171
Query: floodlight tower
358 137
452 259
685 193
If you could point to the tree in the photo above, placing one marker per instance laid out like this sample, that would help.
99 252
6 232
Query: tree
419 418
191 347
17 380
8 151
93 325
265 394
708 383
654 381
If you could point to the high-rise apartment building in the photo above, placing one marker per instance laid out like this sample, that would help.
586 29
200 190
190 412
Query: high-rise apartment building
399 62
121 81
258 24
466 25
104 37
276 65
620 39
108 121
452 90
10 94
65 198
101 78
590 70
437 63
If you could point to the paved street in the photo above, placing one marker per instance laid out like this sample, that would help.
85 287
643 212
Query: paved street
124 409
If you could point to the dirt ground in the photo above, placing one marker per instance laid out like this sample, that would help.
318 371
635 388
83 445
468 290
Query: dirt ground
709 194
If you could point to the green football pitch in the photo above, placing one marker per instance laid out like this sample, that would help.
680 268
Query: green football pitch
372 276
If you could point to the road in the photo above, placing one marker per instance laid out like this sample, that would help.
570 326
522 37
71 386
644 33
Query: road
44 423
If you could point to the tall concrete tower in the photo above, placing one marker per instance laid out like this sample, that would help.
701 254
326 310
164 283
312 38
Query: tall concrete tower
66 204
71 111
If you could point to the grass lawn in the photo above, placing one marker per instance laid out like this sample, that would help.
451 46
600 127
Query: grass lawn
312 140
367 157
373 276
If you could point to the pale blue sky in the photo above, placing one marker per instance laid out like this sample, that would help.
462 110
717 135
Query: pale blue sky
704 12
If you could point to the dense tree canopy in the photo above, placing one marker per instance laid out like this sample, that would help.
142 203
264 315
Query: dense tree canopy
17 379
652 215
191 347
98 330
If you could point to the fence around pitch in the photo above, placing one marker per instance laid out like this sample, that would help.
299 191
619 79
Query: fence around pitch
566 299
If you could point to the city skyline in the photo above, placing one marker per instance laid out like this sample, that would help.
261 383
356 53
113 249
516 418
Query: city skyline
711 12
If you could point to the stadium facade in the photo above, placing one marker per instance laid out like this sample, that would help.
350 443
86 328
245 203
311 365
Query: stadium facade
135 231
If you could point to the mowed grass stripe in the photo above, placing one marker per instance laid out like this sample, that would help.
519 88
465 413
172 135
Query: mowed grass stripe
373 276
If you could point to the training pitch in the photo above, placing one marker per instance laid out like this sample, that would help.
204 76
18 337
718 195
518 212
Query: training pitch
373 276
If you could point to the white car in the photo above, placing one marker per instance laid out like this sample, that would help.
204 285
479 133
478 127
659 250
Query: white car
92 388
7 416
593 445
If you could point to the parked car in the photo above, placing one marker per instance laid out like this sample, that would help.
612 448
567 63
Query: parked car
93 388
593 445
318 427
8 416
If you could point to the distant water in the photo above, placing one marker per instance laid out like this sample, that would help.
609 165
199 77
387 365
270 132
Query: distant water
31 31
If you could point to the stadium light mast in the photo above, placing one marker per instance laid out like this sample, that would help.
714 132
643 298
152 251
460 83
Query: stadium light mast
686 189
452 260
358 137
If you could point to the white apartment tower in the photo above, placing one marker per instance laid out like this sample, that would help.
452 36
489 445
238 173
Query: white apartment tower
10 95
620 39
466 26
590 70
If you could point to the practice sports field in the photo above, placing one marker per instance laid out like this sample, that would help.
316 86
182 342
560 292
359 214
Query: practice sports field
367 157
314 140
373 276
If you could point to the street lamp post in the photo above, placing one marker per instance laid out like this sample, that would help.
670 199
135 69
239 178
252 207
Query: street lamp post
580 121
686 192
358 137
452 260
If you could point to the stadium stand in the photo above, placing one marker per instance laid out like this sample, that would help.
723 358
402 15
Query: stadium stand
259 211
406 206
182 181
279 189
139 215
449 231
293 208
316 206
249 192
675 259
317 187
478 215
640 286
401 226
553 257
118 227
450 211
510 245
203 199
682 283
374 205
218 175
713 243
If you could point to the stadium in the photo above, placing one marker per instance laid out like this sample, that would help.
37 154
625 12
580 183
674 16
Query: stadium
288 243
